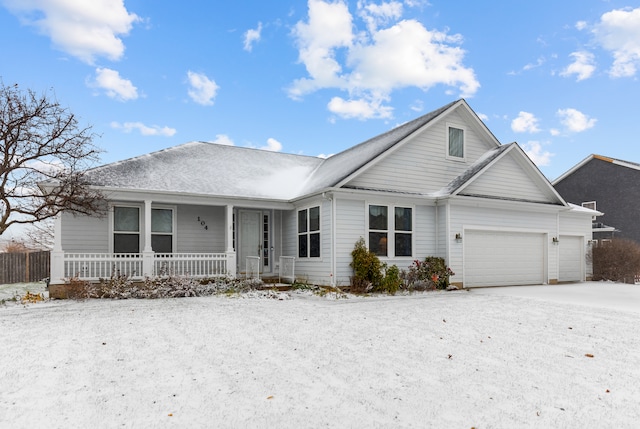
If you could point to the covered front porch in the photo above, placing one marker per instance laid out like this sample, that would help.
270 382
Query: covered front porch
147 238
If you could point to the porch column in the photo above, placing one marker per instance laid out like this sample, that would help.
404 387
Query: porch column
147 251
57 254
231 253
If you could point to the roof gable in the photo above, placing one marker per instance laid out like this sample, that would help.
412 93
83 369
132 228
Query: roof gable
506 173
581 164
417 162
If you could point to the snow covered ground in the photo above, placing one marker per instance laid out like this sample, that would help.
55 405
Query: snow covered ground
489 358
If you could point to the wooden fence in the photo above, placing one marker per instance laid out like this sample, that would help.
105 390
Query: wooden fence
24 267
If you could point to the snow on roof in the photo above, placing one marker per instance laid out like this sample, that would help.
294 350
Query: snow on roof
210 169
230 171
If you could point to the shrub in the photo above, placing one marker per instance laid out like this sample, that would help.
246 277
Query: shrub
618 260
367 269
432 273
392 280
79 289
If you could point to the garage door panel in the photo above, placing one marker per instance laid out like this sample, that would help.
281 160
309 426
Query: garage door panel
497 258
571 259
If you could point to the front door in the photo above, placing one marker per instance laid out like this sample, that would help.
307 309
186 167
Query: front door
250 233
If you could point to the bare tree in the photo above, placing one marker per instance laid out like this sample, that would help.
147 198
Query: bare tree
40 235
44 153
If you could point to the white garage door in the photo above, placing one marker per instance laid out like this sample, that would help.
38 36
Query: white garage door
571 257
496 258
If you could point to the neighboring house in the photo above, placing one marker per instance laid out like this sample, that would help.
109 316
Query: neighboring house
610 186
440 185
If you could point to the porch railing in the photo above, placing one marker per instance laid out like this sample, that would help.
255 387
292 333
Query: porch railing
95 266
190 264
253 267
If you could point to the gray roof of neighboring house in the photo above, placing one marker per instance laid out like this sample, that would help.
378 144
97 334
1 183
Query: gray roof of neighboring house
229 171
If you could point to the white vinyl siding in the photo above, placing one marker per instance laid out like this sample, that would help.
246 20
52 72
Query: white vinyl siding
350 227
420 164
192 236
508 179
82 234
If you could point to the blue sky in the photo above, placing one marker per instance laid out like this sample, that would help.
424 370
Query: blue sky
316 77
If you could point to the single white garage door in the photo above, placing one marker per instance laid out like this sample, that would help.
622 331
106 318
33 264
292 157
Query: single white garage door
571 258
496 258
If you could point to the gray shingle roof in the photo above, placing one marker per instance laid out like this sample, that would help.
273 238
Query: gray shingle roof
210 169
229 171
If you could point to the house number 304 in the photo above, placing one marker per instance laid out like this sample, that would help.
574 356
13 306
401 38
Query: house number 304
203 223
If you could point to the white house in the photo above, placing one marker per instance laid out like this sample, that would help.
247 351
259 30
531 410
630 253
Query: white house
440 185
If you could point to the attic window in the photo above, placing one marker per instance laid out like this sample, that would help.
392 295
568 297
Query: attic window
455 140
589 205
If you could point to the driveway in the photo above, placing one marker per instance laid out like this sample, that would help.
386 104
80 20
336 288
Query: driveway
595 294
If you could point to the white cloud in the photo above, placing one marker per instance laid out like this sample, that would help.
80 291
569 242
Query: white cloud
554 132
273 145
574 120
417 106
203 90
328 29
360 109
114 85
369 65
379 14
525 123
581 25
540 61
325 156
483 117
144 130
84 29
223 139
582 65
619 32
534 150
251 36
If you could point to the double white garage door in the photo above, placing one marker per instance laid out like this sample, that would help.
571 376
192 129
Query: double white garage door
499 258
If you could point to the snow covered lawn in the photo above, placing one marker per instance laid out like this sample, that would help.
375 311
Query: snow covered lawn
447 360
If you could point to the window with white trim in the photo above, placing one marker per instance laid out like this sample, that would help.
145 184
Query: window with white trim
455 142
126 229
590 205
162 230
309 232
390 238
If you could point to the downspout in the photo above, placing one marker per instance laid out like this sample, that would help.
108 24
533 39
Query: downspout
557 249
333 238
436 230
